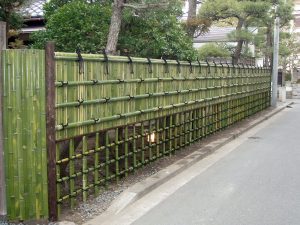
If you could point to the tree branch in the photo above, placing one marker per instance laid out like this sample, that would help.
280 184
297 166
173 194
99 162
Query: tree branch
146 6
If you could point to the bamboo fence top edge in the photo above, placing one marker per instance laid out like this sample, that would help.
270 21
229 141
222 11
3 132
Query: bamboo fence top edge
125 59
102 57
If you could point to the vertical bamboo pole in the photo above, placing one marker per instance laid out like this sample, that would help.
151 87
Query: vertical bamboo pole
107 163
164 135
126 152
190 127
170 133
50 130
117 133
176 132
150 155
198 125
181 130
2 177
157 139
84 169
96 164
58 185
143 143
71 172
134 147
185 140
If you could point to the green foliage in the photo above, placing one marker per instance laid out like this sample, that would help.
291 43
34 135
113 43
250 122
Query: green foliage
218 10
9 14
243 34
145 33
288 76
289 48
285 12
213 50
53 5
247 13
76 24
155 34
285 44
244 12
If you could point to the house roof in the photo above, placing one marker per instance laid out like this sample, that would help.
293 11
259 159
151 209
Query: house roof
215 34
33 9
218 34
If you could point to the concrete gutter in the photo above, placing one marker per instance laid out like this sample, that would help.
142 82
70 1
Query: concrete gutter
137 191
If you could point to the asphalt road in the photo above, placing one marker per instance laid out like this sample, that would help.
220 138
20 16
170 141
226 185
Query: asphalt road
256 183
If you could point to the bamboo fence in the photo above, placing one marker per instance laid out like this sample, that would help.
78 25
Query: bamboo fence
24 133
107 116
118 114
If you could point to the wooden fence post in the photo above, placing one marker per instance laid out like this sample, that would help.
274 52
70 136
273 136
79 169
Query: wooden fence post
50 130
3 210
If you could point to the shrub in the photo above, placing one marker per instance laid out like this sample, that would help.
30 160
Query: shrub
212 50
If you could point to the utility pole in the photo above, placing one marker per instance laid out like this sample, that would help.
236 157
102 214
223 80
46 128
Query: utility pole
275 59
2 176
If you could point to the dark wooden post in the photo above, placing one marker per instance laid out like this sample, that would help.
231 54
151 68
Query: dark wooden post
50 130
2 176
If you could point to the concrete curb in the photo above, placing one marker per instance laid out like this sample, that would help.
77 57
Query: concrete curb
142 188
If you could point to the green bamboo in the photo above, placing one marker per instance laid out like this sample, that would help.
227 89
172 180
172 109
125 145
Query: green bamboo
143 143
170 135
23 106
157 139
164 136
202 124
84 169
107 163
71 172
126 152
181 130
19 136
150 141
190 127
58 186
117 164
195 125
96 164
134 148
176 147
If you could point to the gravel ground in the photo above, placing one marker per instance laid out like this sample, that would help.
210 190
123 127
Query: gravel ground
98 205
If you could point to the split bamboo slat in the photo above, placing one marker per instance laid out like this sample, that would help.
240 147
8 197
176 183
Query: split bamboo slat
24 133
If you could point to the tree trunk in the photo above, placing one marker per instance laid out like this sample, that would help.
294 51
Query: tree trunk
7 16
192 14
239 47
115 27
